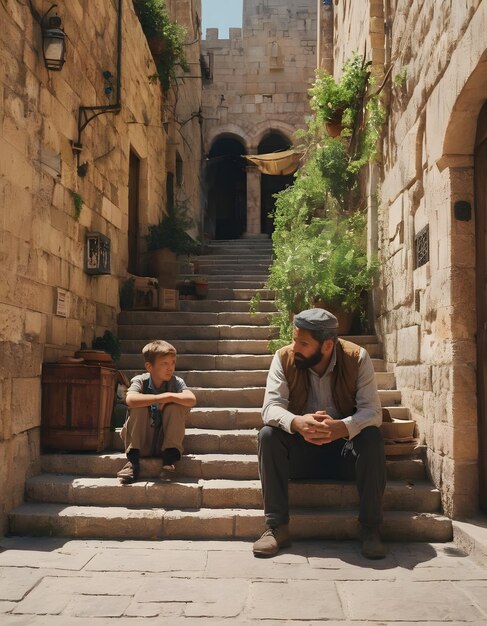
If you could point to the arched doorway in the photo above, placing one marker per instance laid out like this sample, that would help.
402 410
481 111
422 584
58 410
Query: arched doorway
480 176
226 215
270 185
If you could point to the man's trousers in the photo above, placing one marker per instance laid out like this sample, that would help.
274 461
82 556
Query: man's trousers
284 456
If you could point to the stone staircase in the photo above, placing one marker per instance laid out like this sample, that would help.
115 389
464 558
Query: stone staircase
224 357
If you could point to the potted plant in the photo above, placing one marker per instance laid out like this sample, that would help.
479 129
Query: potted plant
323 262
165 38
168 239
337 103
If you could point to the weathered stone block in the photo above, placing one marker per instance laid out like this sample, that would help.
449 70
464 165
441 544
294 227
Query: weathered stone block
408 343
26 396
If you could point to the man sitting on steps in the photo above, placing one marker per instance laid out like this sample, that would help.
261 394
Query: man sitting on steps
159 403
321 414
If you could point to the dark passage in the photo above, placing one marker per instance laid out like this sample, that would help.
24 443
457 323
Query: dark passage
226 216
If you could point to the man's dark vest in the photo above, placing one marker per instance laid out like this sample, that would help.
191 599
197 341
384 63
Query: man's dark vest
343 382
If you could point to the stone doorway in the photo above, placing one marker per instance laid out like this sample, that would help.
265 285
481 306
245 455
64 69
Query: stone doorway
133 213
226 215
271 185
480 172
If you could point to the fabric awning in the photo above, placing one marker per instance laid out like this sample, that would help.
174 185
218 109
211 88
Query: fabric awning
276 163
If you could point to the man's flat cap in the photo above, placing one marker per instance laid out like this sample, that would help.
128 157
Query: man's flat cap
316 319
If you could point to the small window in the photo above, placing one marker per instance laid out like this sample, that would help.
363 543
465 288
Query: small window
422 246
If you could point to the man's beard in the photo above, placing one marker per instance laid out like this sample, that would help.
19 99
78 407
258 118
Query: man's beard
303 363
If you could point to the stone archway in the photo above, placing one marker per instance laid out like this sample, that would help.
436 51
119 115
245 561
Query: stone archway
270 185
480 178
452 122
271 126
225 176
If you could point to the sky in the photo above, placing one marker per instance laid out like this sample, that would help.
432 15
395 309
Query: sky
221 14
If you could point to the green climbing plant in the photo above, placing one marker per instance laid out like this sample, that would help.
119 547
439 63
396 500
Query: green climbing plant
78 204
156 23
319 238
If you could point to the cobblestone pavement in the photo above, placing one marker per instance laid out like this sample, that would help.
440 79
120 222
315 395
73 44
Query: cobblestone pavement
62 581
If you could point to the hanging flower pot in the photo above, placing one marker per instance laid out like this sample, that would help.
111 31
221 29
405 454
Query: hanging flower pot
334 125
157 46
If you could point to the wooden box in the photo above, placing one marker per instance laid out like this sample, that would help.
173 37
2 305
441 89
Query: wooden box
168 299
145 298
77 404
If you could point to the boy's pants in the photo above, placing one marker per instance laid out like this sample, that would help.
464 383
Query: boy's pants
283 456
138 433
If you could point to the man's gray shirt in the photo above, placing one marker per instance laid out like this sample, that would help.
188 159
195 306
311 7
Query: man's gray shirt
276 399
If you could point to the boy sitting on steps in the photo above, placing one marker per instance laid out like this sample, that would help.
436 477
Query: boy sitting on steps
158 405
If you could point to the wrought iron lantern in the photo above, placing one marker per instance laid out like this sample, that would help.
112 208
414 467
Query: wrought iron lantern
53 44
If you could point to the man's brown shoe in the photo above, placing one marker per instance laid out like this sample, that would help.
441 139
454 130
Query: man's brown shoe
271 541
372 546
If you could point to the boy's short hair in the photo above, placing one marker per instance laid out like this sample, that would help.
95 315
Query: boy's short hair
155 348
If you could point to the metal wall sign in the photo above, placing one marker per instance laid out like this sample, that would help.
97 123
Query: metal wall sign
97 254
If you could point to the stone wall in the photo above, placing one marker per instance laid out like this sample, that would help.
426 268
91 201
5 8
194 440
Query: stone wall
263 71
260 78
42 242
426 314
183 112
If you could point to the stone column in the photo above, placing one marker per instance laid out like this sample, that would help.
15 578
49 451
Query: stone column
253 202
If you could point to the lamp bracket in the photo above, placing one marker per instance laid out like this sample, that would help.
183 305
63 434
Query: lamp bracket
88 113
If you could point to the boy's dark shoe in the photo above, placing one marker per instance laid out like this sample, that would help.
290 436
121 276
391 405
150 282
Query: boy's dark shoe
272 540
131 470
129 473
170 456
372 546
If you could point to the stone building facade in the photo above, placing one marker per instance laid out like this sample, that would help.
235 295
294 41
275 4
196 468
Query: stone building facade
184 148
254 99
123 170
427 205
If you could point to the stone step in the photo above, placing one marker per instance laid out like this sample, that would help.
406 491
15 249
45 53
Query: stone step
222 306
224 378
252 244
193 318
216 269
207 466
221 493
229 278
253 268
229 249
213 441
219 362
218 282
241 260
233 378
239 294
127 523
223 331
254 396
385 380
203 346
232 418
235 441
224 346
208 362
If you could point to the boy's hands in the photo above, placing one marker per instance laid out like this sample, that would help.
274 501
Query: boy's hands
162 399
319 428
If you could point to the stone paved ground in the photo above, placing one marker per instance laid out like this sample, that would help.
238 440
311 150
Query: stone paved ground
61 581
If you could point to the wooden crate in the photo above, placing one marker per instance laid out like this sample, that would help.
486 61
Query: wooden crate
168 299
77 404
